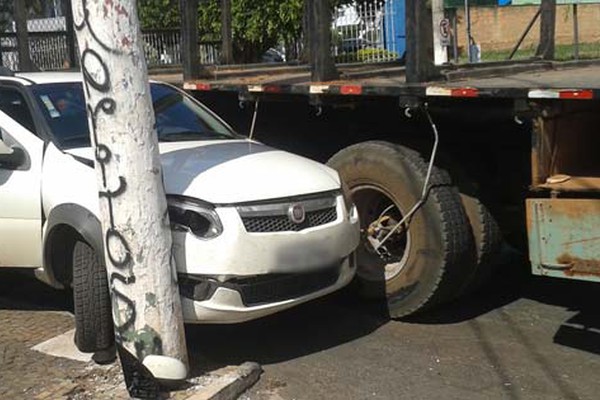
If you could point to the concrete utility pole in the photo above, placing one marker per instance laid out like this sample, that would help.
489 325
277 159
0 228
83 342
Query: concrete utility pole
20 11
547 30
226 33
133 209
321 60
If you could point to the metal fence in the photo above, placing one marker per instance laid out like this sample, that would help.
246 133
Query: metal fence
49 48
367 32
162 47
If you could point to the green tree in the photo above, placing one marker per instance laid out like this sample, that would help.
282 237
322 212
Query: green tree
257 24
159 14
34 7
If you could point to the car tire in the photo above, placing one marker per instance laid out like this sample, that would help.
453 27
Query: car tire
91 300
436 256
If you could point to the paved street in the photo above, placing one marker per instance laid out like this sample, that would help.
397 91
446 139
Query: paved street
520 338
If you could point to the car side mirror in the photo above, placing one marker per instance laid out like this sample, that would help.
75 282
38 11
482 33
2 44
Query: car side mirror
11 157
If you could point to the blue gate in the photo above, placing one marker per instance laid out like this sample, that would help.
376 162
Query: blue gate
395 27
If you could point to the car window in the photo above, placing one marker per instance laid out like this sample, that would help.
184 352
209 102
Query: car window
14 105
178 117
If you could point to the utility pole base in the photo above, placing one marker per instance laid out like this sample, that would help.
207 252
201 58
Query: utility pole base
140 382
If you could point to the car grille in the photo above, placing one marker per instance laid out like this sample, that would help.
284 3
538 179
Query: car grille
274 288
273 217
283 223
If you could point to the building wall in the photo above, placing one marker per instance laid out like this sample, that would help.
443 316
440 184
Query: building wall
499 28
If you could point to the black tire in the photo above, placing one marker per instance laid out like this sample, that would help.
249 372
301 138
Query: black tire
486 231
487 238
91 301
438 254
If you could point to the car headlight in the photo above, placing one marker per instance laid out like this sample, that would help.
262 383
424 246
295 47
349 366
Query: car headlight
194 216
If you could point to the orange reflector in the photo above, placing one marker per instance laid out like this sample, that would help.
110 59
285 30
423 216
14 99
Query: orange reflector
272 89
465 92
351 89
576 94
203 86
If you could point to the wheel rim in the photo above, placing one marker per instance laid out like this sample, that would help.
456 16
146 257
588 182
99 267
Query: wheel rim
379 213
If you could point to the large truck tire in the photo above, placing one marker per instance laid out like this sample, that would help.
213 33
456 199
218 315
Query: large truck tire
487 237
91 301
422 264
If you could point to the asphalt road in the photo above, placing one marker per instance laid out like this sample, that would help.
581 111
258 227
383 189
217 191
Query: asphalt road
518 338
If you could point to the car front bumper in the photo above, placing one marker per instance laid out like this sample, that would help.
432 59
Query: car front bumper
227 306
248 275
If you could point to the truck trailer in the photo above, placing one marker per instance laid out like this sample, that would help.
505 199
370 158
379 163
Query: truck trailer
447 168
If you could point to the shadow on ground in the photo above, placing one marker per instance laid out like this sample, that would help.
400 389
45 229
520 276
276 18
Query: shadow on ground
307 329
512 281
582 331
341 318
19 290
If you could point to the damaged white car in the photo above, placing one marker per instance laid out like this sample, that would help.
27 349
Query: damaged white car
256 230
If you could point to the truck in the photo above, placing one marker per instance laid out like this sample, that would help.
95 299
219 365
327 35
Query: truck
447 165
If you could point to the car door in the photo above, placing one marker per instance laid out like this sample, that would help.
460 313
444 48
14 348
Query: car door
20 184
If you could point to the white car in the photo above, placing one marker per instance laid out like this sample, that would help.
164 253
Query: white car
255 230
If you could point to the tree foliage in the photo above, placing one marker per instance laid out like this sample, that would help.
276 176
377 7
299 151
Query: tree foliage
34 8
257 24
158 14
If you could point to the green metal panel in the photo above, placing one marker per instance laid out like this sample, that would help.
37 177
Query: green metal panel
478 3
529 2
564 238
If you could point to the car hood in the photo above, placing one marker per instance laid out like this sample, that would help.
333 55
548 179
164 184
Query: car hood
236 171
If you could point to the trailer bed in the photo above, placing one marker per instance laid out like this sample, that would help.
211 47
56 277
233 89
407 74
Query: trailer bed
566 80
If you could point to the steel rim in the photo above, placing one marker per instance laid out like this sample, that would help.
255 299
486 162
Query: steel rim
378 213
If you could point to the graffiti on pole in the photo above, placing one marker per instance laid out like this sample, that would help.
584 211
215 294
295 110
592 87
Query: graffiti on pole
97 77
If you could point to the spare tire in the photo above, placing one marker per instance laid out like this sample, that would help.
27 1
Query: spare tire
426 261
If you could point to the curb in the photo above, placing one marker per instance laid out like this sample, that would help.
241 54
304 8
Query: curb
227 383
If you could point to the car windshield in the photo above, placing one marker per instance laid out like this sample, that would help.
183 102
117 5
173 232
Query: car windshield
178 117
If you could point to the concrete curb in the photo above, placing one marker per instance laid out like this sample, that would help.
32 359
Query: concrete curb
227 383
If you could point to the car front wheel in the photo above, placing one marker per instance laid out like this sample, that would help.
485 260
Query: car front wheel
91 299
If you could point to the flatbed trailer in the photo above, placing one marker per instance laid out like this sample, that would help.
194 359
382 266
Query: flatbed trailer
534 80
444 172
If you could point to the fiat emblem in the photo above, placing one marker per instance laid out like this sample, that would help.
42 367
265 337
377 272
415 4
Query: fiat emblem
296 213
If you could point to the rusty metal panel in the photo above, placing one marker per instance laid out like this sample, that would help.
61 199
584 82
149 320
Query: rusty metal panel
564 238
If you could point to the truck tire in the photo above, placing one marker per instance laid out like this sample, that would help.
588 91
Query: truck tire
429 262
487 237
91 301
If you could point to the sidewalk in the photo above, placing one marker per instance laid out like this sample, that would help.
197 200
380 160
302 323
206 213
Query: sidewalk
32 313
